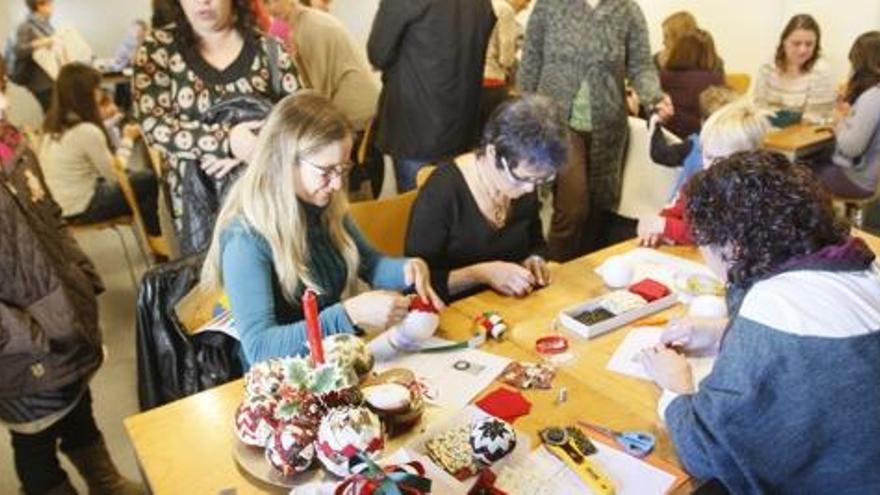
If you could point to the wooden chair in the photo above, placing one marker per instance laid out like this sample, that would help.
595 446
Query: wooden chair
155 245
113 224
384 221
423 174
738 82
853 209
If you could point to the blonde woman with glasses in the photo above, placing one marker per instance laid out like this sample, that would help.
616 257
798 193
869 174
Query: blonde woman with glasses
284 227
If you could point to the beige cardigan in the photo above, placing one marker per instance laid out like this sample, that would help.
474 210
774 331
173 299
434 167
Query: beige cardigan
334 65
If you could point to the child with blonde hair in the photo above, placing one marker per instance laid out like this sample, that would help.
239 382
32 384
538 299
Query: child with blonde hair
738 126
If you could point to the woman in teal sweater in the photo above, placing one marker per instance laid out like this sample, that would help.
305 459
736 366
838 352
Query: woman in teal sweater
284 227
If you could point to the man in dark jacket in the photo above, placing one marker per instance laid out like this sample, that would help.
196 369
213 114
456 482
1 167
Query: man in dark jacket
431 54
34 33
50 342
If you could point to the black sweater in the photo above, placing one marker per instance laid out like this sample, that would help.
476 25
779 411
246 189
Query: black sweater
447 229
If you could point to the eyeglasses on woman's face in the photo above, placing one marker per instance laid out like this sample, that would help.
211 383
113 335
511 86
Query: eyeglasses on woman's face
535 179
331 171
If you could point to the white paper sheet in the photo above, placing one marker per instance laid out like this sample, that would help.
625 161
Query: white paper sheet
631 476
626 358
223 322
456 376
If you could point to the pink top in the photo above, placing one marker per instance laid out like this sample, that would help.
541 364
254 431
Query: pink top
280 29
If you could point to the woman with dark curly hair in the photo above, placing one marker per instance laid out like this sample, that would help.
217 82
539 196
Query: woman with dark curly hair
184 72
792 404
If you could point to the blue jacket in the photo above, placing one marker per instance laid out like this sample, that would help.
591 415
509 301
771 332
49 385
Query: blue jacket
792 404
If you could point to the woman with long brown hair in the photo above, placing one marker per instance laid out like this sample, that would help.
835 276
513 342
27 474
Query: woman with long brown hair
78 158
798 79
674 27
855 166
692 66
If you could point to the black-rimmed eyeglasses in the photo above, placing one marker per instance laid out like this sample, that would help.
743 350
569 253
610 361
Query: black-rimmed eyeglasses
535 180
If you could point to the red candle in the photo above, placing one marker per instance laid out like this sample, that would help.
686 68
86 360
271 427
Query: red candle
313 326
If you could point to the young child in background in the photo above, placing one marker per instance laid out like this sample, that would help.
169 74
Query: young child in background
687 154
738 126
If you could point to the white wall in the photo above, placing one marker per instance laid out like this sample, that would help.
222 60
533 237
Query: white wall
357 15
746 31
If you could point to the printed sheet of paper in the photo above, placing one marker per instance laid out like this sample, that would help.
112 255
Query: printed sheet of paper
626 358
550 476
223 322
457 376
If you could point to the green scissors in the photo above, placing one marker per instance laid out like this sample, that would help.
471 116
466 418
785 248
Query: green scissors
635 443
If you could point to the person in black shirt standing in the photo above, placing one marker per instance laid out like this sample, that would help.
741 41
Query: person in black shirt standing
431 54
476 220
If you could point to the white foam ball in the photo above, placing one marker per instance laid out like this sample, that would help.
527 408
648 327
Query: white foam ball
708 307
616 272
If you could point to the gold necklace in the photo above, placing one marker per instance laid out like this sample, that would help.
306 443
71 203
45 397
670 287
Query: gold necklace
499 207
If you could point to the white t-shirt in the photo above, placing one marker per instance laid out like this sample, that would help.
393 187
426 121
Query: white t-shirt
72 164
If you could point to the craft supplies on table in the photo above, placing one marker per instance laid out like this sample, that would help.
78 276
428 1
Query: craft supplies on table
625 359
635 443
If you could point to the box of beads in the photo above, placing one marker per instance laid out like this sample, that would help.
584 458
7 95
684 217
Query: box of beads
617 308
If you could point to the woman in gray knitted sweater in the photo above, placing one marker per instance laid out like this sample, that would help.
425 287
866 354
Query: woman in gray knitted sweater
854 169
579 53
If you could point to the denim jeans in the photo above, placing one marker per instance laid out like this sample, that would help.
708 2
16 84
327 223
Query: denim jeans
405 172
109 202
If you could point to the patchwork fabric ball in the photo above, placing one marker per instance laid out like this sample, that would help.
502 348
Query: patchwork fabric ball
344 432
264 378
297 405
450 450
491 439
255 420
350 396
350 354
492 323
291 449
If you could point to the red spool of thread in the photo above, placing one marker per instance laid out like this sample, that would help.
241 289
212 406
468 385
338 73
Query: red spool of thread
313 326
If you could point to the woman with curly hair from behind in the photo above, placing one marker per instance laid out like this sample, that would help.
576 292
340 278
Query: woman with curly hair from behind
792 404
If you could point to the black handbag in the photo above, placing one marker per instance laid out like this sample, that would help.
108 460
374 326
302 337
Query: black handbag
238 109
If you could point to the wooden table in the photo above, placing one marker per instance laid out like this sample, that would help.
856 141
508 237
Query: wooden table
187 446
799 140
